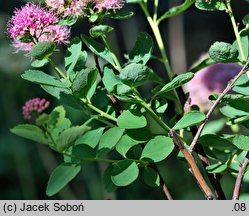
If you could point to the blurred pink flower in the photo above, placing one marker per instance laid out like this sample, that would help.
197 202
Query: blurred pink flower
212 79
34 105
66 8
32 24
108 4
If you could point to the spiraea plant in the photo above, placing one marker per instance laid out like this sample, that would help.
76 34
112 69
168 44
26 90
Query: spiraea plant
127 131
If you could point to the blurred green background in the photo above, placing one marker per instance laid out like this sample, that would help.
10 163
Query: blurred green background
25 166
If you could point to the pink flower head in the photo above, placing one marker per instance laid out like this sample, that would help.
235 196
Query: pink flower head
32 24
210 80
108 4
34 105
66 8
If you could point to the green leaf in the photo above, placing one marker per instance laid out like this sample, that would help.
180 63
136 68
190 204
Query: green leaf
227 98
93 18
215 142
189 119
213 127
241 142
210 5
160 105
119 14
216 168
100 30
232 112
131 119
124 173
42 119
109 139
91 137
98 49
82 152
68 137
61 176
223 52
202 63
242 85
236 108
125 144
154 127
31 132
109 185
42 50
177 9
139 134
240 120
75 59
151 177
176 82
68 21
246 19
110 79
42 78
56 91
71 101
141 53
56 117
158 149
83 81
39 63
135 75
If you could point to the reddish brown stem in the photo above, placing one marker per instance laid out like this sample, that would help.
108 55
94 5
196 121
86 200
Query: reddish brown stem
239 180
192 164
166 192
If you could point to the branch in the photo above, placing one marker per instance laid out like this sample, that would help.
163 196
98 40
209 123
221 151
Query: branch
210 112
239 180
195 170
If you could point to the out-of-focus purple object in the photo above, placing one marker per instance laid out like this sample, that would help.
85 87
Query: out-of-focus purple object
212 79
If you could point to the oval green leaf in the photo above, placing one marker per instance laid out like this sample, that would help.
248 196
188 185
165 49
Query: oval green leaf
131 119
190 119
124 173
31 132
157 149
61 176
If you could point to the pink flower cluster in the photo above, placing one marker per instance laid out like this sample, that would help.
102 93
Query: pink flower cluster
34 105
210 80
66 7
108 4
32 24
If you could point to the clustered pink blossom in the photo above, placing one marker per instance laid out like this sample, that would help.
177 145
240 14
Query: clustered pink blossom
32 24
210 80
66 7
34 105
108 4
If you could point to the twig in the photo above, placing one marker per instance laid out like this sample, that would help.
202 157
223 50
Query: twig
195 170
166 191
162 183
227 89
239 180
